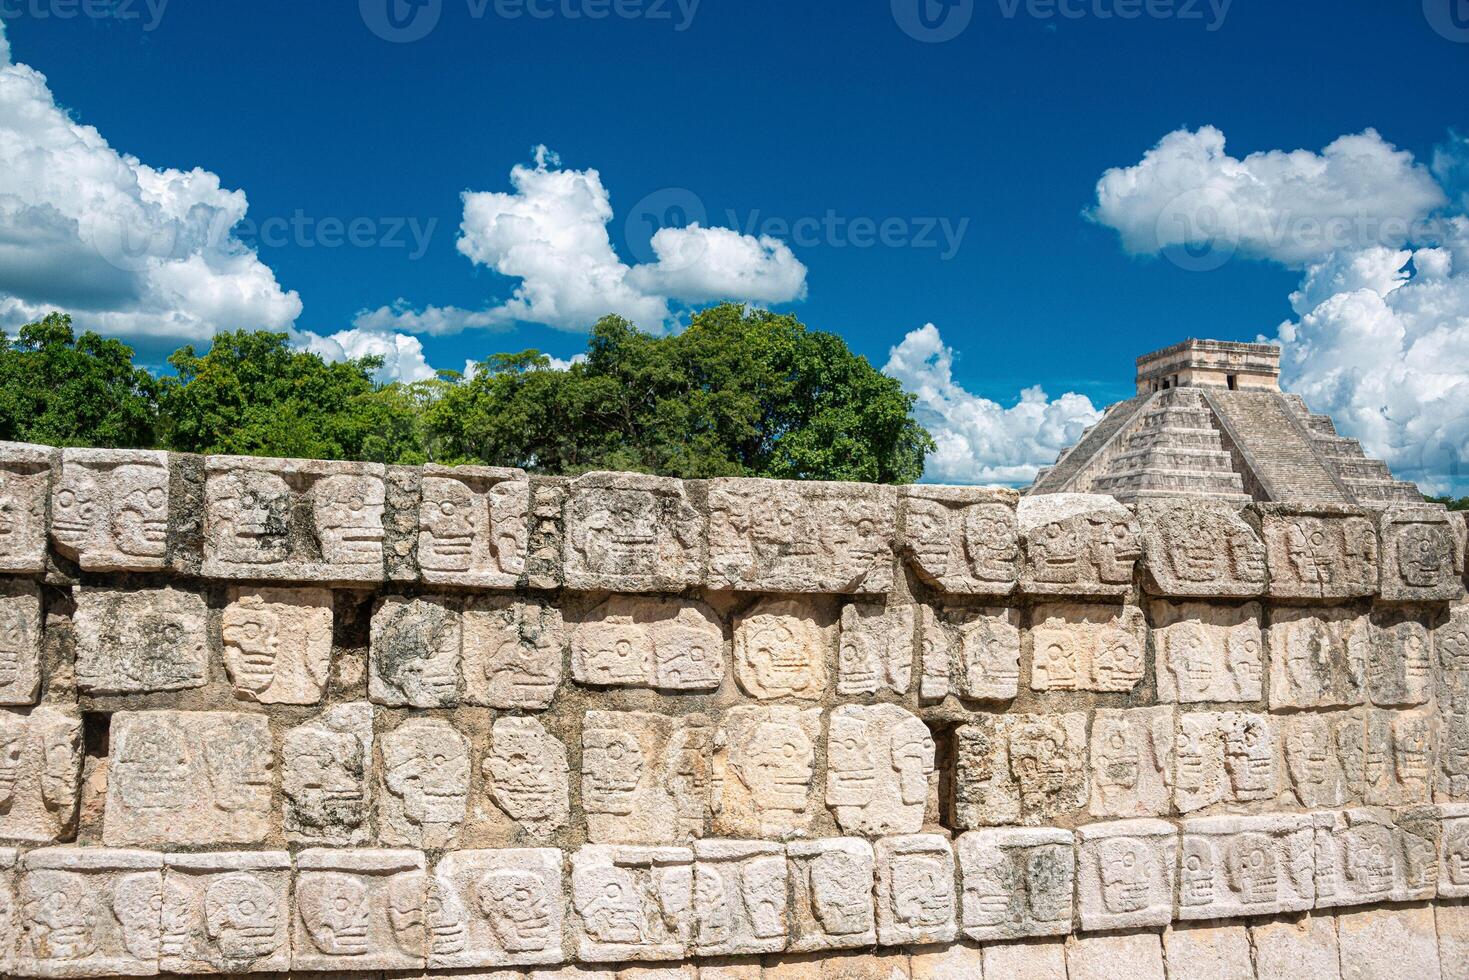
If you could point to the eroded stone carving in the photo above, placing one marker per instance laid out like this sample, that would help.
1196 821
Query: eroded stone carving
1363 857
1017 883
278 644
324 766
1239 866
632 903
1198 549
1077 544
415 654
495 908
89 912
964 540
1087 648
782 536
645 778
879 769
1318 658
1132 762
1027 769
20 642
1125 874
973 654
1399 663
915 890
632 641
473 525
876 649
1400 756
25 485
632 533
512 656
832 894
781 651
1422 555
527 775
764 764
109 509
135 641
1207 652
1453 872
739 898
1223 757
189 777
1322 757
1451 681
425 784
40 775
1326 552
359 910
225 912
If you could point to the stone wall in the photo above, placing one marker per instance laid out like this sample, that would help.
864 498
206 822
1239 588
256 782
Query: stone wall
271 715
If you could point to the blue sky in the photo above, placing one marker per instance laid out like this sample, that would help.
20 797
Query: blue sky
979 155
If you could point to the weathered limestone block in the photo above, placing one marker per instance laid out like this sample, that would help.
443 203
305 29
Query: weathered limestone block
131 641
784 536
1125 874
1400 763
89 912
359 910
547 536
1325 551
527 775
879 769
416 653
882 964
1219 952
1388 944
473 526
1322 757
1422 555
1318 658
1453 872
20 642
960 961
1029 769
740 898
1137 956
25 487
1224 757
227 912
1243 866
9 914
831 887
425 784
1207 652
1364 856
1290 948
1017 883
40 775
915 890
324 765
781 651
973 654
1087 648
1198 549
278 644
962 540
512 656
1399 663
1025 961
1132 761
189 777
109 509
1420 839
632 903
294 520
764 765
1077 544
875 654
636 641
1452 922
495 908
1451 682
627 532
645 778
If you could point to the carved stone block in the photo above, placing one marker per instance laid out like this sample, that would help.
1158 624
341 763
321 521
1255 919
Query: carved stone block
1207 652
740 898
973 654
1323 552
1322 757
416 653
324 766
9 914
1017 883
1028 769
831 887
962 540
915 890
359 910
1399 662
189 777
1363 857
1198 549
635 641
1451 682
645 778
764 764
879 769
1453 872
425 784
1132 762
1242 866
783 536
1318 658
136 641
1077 544
1087 648
876 650
1223 757
278 644
40 775
632 903
473 526
1400 759
1420 840
512 656
25 486
527 775
20 642
109 509
89 912
1422 555
495 908
628 532
781 651
1125 874
227 912
294 520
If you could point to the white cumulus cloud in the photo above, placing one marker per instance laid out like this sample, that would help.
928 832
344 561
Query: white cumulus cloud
403 357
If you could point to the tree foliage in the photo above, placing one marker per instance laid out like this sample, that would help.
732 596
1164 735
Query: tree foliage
1461 503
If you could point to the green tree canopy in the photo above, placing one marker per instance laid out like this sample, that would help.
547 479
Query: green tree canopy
62 390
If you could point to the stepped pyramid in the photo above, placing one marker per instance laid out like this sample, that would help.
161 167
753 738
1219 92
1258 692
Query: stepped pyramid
1209 419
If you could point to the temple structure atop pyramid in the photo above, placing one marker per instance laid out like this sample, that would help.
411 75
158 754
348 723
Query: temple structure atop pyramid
1209 419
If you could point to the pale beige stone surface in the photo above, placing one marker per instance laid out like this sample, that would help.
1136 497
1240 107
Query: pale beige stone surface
139 640
89 912
764 771
880 769
781 650
1322 757
1193 548
1028 768
1401 746
512 652
1303 946
1388 944
495 908
416 651
1039 960
358 910
110 509
1327 552
527 775
730 968
1077 544
831 888
635 641
915 890
1318 658
888 964
1016 883
1125 874
1224 757
1453 874
1210 953
324 776
739 898
632 903
473 526
20 642
876 649
226 912
40 775
1208 652
973 654
1132 761
1400 662
424 791
1135 955
1076 647
962 540
1452 921
25 487
956 962
632 533
646 778
1422 554
278 644
1240 866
